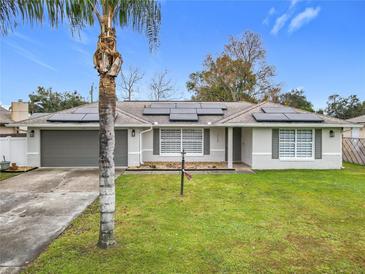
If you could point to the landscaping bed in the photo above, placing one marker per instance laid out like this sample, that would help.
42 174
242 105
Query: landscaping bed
188 165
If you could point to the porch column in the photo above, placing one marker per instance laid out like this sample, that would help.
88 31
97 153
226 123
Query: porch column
230 148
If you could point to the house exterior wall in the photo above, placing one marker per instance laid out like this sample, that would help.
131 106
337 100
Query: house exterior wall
217 149
354 132
262 147
133 147
8 130
362 132
34 147
256 150
247 146
19 111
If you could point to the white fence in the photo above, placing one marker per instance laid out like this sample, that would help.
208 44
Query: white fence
14 149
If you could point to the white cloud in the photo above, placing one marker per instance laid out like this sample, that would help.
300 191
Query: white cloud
269 14
29 55
279 23
303 18
27 38
293 3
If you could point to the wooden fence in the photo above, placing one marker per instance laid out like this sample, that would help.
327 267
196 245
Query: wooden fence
353 150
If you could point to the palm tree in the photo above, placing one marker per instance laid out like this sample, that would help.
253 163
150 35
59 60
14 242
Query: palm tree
141 15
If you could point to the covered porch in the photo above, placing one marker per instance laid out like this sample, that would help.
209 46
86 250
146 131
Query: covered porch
224 145
238 147
216 148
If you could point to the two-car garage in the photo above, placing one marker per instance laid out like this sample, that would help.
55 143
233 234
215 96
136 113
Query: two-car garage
76 148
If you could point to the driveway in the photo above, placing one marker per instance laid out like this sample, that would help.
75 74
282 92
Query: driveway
36 207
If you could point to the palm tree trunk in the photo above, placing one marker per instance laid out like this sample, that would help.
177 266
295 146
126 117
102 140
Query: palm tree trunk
108 63
107 102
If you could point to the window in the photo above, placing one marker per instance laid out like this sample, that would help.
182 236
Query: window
173 141
296 143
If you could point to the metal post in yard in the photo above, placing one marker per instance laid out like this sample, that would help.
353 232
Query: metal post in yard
182 172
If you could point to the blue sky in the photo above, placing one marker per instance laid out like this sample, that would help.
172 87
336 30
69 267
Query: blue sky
316 45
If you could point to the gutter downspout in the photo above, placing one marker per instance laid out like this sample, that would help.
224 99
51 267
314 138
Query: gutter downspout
140 144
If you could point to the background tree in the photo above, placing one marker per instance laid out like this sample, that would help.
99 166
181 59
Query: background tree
129 81
223 79
141 15
47 100
250 49
161 86
296 98
344 107
91 93
239 73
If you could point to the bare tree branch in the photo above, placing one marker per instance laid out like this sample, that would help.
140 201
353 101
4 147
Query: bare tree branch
161 86
129 82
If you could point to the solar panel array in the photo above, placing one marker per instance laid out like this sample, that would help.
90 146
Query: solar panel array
183 117
184 111
285 114
278 110
83 115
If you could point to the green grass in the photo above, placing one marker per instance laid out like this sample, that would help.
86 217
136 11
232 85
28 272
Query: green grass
272 221
5 175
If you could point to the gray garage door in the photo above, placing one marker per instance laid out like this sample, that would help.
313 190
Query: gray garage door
79 148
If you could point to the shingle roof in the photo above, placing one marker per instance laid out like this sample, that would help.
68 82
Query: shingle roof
137 108
359 119
246 115
123 117
131 113
5 116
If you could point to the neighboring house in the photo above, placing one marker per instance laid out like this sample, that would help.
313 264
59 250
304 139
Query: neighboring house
18 112
356 132
263 136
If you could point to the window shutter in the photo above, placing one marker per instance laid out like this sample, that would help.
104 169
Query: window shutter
318 144
206 141
275 144
226 144
156 141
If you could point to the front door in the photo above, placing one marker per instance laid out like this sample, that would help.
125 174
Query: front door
237 144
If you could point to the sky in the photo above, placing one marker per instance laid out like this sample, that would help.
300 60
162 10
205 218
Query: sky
318 46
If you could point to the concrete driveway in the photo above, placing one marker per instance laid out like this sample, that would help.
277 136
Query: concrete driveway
36 207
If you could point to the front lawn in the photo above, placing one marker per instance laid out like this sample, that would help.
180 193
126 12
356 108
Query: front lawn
5 175
272 221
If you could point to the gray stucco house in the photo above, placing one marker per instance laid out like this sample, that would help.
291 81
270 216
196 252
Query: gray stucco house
263 136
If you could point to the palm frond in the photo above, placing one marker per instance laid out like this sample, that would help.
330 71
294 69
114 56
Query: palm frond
140 15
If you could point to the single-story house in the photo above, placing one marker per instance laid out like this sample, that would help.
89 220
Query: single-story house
263 136
18 111
356 132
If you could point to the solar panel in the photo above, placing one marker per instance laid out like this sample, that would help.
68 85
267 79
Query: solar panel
86 110
183 117
66 117
278 110
286 117
156 111
303 117
91 117
270 117
188 105
163 105
183 110
210 111
214 105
